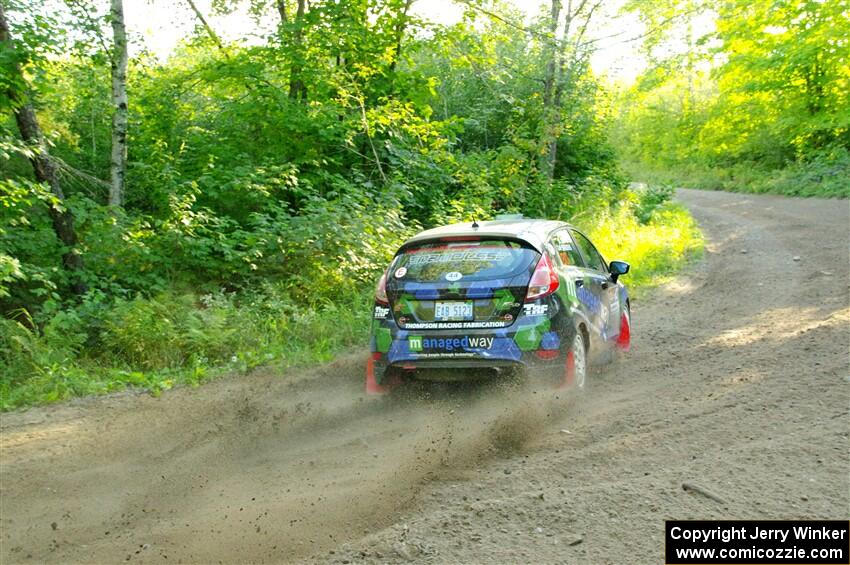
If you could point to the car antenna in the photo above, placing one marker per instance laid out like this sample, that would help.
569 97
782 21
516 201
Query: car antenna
474 223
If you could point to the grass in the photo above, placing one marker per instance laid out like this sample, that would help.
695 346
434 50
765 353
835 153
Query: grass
181 339
171 340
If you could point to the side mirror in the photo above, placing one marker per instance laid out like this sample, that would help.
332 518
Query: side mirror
617 268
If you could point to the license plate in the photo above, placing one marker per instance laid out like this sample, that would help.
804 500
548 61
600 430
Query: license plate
453 311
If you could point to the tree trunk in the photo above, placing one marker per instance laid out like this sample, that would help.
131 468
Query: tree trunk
43 167
549 108
210 31
560 59
118 166
401 25
281 11
551 50
297 89
561 76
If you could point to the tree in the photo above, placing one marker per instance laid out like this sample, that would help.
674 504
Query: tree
400 25
297 88
564 54
553 54
787 59
210 31
44 168
118 167
767 87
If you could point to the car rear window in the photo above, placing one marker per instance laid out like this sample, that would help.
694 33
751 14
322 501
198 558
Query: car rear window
474 260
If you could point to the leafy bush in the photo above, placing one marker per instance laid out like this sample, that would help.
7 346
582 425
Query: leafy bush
147 333
825 175
650 199
655 249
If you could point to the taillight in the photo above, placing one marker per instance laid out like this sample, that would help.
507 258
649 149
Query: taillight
544 281
381 290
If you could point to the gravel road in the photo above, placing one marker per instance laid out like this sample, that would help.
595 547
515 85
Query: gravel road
737 382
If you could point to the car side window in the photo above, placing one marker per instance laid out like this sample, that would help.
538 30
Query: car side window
566 248
550 252
591 255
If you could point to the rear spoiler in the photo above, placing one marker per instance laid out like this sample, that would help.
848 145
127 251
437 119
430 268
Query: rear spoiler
459 238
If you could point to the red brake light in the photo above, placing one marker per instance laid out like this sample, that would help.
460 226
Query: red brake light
381 290
544 281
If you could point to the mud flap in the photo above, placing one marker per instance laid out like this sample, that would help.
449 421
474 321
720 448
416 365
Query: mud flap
372 386
624 340
569 371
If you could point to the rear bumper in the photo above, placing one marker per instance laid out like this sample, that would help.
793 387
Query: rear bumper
386 370
539 337
456 364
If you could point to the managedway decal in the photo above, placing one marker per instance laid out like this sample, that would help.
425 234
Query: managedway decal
418 343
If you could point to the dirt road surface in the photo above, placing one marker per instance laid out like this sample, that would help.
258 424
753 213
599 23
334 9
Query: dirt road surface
738 382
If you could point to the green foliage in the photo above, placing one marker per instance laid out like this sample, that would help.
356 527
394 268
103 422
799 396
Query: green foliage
825 174
760 104
649 201
171 339
10 270
655 247
29 253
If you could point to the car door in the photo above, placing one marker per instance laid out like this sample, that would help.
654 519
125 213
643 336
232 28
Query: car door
571 267
601 290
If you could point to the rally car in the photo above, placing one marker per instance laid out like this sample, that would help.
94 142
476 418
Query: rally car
473 300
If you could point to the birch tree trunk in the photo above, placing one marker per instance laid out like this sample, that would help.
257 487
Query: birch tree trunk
118 167
44 168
